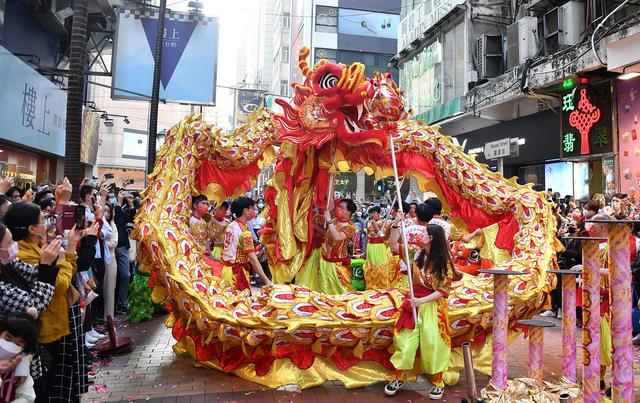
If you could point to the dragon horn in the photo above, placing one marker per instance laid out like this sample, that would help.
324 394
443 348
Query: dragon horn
302 62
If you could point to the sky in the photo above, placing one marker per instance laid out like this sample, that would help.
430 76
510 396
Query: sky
231 16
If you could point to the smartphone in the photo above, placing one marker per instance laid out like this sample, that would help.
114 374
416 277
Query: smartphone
109 176
112 188
80 217
50 223
65 218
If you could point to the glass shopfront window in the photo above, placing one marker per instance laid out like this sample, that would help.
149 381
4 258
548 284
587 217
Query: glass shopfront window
435 76
23 167
372 61
378 25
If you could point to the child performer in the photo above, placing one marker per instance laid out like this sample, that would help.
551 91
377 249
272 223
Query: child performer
198 222
217 227
432 277
335 271
377 273
239 253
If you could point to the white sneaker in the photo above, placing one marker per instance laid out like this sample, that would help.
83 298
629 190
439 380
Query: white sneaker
559 315
95 334
90 339
547 314
89 345
436 393
636 340
393 386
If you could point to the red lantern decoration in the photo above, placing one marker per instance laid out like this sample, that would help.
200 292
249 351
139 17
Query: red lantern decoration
583 119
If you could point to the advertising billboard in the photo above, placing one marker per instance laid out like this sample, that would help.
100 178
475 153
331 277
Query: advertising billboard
247 101
90 137
628 99
189 56
34 110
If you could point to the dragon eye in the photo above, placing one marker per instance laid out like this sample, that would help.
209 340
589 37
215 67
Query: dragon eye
329 81
474 255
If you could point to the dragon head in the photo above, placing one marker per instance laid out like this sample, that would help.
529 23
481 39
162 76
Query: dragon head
337 100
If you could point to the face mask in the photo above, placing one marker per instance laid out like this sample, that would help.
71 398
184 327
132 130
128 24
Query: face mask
202 209
412 215
220 214
340 214
260 206
113 201
375 217
587 214
252 214
12 252
8 350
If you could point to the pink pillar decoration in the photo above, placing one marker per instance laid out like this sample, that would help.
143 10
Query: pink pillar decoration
536 346
591 322
569 327
620 276
500 328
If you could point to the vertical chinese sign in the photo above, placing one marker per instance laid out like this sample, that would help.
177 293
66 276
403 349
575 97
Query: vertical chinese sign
628 100
586 127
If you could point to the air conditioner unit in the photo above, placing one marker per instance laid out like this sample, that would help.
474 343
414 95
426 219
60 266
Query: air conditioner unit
521 41
564 26
490 56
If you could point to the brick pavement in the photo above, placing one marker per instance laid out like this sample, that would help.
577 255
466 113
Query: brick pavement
153 373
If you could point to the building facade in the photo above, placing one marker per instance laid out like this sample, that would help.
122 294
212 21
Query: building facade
486 72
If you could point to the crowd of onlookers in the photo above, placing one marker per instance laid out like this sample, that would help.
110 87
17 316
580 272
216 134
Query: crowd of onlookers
65 267
573 222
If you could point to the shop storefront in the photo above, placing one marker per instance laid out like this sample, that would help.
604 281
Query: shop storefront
628 122
587 138
537 146
32 123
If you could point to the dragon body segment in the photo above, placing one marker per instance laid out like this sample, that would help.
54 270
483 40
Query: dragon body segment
289 334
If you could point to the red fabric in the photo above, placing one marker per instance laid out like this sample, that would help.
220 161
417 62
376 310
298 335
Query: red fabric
239 276
178 330
376 240
507 228
216 267
232 359
633 249
300 355
229 179
344 359
405 319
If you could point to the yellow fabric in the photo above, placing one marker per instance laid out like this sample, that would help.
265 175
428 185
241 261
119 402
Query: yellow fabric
216 252
605 342
55 319
283 372
309 275
435 347
377 272
334 278
284 273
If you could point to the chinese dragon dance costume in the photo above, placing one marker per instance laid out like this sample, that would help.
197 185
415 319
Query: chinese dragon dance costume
289 334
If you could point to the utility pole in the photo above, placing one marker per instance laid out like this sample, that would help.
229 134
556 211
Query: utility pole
155 90
73 169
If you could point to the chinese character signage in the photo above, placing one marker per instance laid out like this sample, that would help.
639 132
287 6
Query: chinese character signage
586 121
189 56
33 109
628 99
497 149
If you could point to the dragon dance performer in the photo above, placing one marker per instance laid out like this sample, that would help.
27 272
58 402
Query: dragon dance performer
239 253
217 228
309 274
377 273
335 271
436 208
433 274
414 231
198 222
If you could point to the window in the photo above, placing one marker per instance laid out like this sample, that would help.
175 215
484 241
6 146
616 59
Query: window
328 54
378 25
285 54
284 87
453 58
372 61
326 19
286 22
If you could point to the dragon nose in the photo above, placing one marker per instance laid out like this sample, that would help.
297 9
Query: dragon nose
351 77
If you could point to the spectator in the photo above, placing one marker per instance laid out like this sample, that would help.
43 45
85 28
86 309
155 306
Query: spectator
124 214
14 194
4 206
111 268
62 350
18 338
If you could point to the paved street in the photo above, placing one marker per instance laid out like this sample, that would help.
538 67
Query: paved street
153 373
